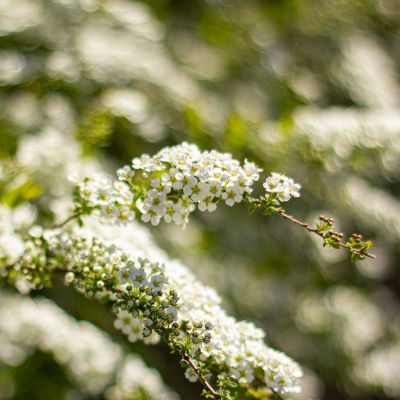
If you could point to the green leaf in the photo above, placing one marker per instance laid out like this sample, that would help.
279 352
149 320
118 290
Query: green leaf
25 192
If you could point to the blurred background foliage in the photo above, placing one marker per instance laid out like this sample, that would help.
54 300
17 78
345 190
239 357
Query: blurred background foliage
309 88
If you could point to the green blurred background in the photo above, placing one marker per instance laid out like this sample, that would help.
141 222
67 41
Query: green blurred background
308 88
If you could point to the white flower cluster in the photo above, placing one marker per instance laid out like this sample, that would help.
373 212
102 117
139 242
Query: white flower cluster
170 185
183 178
283 187
113 200
91 362
237 347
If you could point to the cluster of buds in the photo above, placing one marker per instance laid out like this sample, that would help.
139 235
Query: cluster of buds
358 247
327 220
332 239
200 333
324 229
357 237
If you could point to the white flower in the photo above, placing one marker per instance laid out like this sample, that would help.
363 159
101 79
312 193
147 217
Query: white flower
206 204
138 277
123 321
244 375
135 331
251 170
144 163
170 211
152 217
125 173
232 195
156 281
190 375
294 188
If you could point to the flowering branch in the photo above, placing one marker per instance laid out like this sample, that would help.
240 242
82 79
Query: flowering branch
178 180
168 187
154 302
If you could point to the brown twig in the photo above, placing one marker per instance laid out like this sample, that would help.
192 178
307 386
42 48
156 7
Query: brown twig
204 382
320 234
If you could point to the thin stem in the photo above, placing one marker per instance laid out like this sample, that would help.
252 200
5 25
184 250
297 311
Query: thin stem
70 218
320 234
204 382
